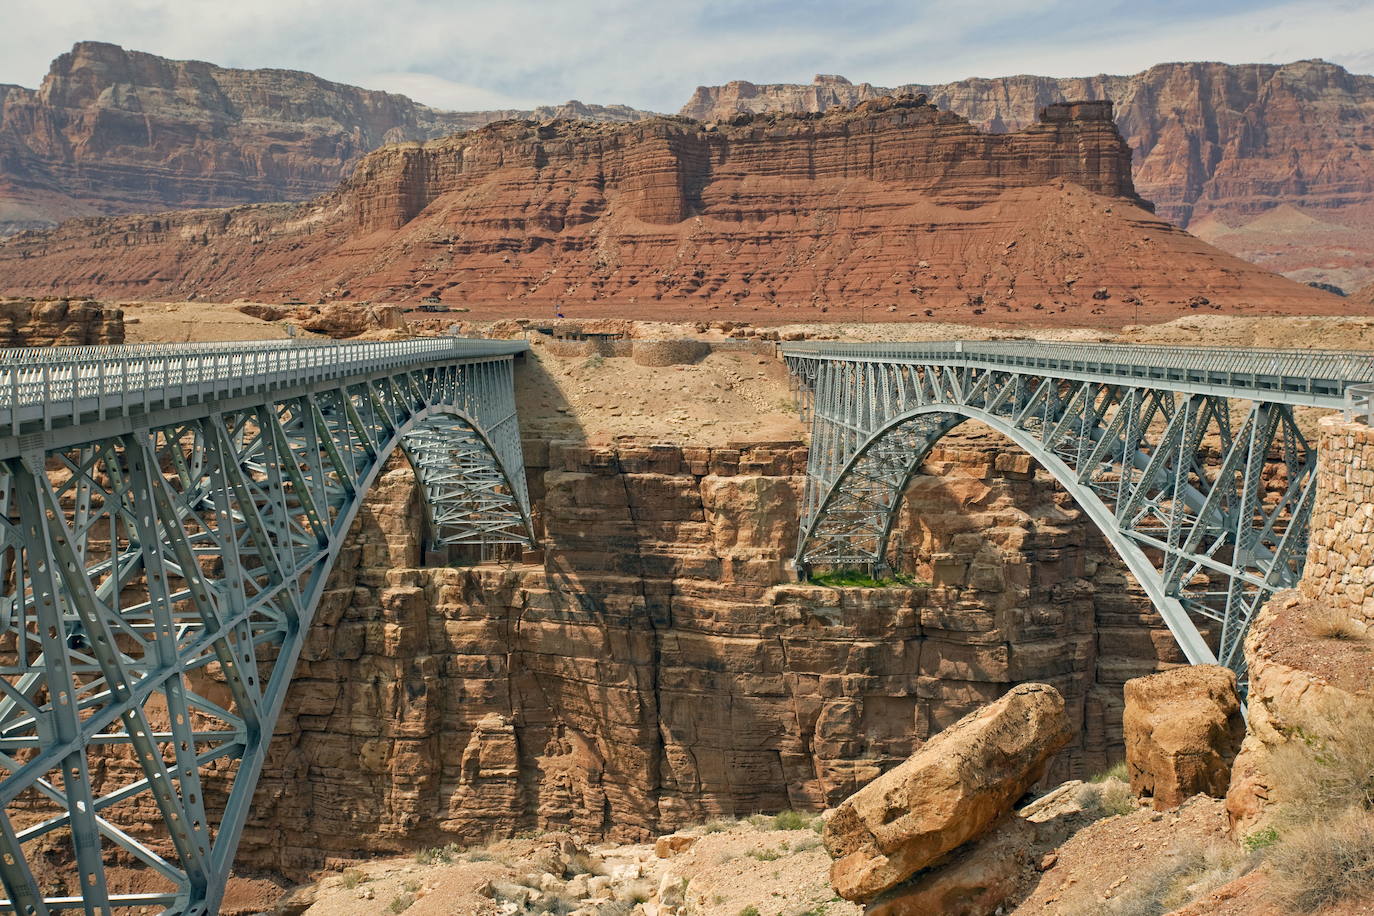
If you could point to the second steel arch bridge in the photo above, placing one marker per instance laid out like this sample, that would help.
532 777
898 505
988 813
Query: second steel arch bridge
1191 461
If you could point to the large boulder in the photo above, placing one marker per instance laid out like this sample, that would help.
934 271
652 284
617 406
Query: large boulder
953 789
1183 730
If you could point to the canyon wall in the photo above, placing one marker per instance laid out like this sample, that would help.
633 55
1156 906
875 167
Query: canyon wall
654 669
116 131
893 205
1217 147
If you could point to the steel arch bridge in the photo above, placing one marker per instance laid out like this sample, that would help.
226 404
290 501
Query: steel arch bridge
1189 460
168 518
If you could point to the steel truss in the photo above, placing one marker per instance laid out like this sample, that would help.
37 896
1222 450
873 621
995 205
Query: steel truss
161 569
1189 461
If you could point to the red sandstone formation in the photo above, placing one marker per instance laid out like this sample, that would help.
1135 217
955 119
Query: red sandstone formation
893 206
1217 147
115 131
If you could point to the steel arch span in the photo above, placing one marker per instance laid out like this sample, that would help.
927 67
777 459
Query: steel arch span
168 519
1189 460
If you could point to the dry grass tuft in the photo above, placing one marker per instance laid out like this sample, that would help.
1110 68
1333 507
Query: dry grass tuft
1186 873
1331 623
1320 776
1326 862
1109 798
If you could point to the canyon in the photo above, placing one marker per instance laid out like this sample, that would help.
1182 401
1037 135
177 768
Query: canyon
893 206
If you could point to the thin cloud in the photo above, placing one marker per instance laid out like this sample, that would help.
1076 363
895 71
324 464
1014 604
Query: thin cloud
651 54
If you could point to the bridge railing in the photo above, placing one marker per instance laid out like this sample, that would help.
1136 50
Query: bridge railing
1322 373
1359 403
59 384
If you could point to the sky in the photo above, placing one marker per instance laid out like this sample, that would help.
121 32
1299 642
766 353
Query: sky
464 55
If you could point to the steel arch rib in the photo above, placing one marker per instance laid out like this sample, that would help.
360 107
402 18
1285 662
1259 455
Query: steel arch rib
1176 617
239 803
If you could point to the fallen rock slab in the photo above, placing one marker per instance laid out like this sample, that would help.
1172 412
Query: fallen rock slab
1183 730
975 880
949 792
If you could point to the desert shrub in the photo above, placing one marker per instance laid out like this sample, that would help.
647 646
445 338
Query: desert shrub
765 855
437 855
792 820
719 825
595 361
582 862
352 877
749 911
638 892
1109 798
806 844
410 886
1188 872
1319 776
1325 862
1331 623
1261 839
616 908
554 904
762 821
1116 771
400 904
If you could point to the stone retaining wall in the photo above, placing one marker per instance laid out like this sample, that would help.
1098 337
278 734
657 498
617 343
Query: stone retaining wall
1340 554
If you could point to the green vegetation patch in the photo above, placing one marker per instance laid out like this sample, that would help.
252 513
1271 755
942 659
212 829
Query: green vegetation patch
854 578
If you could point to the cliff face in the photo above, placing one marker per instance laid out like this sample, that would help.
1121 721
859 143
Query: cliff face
116 131
893 204
1216 146
652 672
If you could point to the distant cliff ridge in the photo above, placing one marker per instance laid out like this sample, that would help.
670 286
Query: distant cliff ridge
1273 163
891 205
1217 147
113 131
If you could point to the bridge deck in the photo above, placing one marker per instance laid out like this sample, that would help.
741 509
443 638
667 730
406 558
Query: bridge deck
53 388
1305 377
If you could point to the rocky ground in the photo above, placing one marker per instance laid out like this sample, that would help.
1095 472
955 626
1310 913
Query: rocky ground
775 864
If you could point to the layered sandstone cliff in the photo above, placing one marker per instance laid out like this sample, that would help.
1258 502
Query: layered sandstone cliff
893 205
116 131
1216 147
654 671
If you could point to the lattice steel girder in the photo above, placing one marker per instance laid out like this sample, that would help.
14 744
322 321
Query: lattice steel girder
160 574
1141 437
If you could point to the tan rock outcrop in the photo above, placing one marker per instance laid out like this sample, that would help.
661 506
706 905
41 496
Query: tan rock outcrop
1183 730
950 791
59 323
